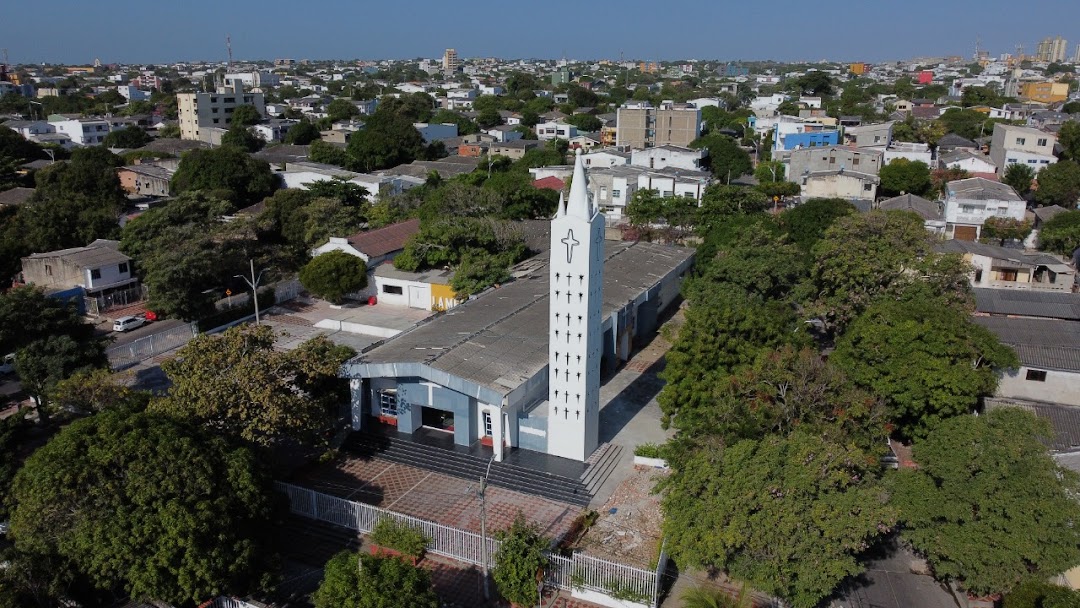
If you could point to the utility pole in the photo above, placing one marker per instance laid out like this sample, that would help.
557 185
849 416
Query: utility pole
483 529
254 285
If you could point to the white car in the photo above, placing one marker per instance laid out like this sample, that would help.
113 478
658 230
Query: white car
127 323
7 364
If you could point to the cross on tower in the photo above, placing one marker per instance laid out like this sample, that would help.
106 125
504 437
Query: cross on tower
570 243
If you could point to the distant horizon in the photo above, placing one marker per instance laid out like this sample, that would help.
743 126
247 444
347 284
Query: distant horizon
131 32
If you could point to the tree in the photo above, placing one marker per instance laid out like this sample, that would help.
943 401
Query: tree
328 153
1069 138
816 83
488 118
302 133
479 270
998 230
1061 233
861 256
131 137
1073 107
1035 593
244 116
386 141
586 122
236 384
229 170
351 580
41 365
904 176
243 139
770 171
757 260
27 315
927 360
519 561
1059 184
706 597
169 132
154 507
719 203
788 514
341 109
987 505
13 439
333 275
806 223
95 390
726 159
1019 177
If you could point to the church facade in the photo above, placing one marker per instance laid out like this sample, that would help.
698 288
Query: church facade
519 367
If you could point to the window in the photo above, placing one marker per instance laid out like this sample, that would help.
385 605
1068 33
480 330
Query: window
967 209
603 192
832 160
1012 161
48 270
487 424
388 402
855 161
95 273
1020 141
616 193
668 193
123 267
868 187
1032 161
1036 375
1041 143
396 290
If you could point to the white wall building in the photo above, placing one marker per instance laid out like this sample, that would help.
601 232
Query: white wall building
131 93
668 156
970 202
201 111
555 130
83 131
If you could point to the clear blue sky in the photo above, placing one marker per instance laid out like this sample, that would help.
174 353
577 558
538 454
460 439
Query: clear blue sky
76 31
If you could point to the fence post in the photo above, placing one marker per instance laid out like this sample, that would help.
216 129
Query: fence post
314 505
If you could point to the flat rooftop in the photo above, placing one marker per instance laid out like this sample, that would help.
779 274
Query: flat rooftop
499 340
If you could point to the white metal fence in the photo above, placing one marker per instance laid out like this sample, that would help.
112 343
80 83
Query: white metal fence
146 347
287 290
618 581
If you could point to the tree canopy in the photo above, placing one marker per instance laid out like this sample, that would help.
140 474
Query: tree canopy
1019 177
926 359
904 176
334 274
238 385
987 505
131 137
1059 184
245 116
302 133
388 139
364 581
726 159
144 504
806 224
1061 233
228 171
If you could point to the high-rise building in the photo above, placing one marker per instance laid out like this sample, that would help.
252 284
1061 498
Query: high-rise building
201 113
1051 50
450 63
641 125
574 340
1076 55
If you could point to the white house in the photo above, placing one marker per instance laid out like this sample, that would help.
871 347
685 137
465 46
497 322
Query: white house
839 183
503 133
970 202
274 130
1005 268
373 246
914 152
668 156
969 160
298 174
27 128
555 130
1047 349
1012 144
605 157
131 93
82 131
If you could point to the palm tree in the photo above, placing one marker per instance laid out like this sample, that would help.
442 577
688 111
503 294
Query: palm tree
710 597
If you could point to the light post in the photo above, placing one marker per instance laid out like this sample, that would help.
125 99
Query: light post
253 283
483 528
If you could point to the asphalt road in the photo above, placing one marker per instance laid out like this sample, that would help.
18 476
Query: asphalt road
889 583
121 338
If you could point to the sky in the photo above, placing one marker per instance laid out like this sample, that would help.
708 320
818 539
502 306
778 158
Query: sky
129 31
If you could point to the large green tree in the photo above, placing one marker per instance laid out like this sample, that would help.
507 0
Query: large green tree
228 171
245 116
334 274
788 514
726 159
926 359
987 504
1061 233
1059 184
1069 138
238 385
806 223
518 561
1019 177
905 176
131 137
43 364
387 140
146 505
302 133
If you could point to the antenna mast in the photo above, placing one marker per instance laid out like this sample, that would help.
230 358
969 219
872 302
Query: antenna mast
228 47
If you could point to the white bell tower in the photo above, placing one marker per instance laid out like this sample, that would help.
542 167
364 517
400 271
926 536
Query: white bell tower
574 341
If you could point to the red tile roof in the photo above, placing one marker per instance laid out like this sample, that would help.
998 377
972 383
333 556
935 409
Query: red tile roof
551 183
382 241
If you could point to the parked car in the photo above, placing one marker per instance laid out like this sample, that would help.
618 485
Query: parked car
128 323
7 365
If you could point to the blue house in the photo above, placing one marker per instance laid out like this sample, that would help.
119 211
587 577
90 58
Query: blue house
783 142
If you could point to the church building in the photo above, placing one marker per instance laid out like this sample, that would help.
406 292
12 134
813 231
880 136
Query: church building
519 367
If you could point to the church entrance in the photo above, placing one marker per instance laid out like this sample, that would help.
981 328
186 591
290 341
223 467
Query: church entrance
437 419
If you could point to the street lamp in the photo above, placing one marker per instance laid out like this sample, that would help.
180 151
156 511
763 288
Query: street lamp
253 283
483 528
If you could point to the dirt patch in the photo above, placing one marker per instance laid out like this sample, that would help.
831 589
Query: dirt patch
628 528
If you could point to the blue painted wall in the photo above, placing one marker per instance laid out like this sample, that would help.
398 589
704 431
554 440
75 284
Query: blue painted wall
412 396
807 140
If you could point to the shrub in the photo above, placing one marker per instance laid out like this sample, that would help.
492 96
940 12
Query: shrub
650 450
333 274
519 560
403 538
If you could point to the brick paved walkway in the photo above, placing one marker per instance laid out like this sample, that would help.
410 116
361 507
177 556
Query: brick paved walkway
444 499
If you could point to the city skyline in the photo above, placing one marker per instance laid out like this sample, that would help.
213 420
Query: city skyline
131 32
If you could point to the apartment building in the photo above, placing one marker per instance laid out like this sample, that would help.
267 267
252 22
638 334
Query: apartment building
1012 144
805 161
450 63
642 125
1044 92
81 131
202 111
1051 50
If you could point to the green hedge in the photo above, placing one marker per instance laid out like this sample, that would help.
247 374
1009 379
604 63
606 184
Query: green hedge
403 538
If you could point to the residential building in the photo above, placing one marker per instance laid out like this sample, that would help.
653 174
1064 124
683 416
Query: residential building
839 183
873 135
132 93
1012 144
450 63
813 160
1004 268
375 247
504 133
969 160
1051 50
513 149
641 125
970 202
27 128
274 130
301 173
251 80
555 130
613 187
1049 370
429 290
436 131
932 213
797 134
951 141
81 131
606 157
146 179
199 112
1045 91
668 156
98 271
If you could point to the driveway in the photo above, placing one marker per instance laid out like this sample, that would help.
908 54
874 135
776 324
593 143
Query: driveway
889 583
